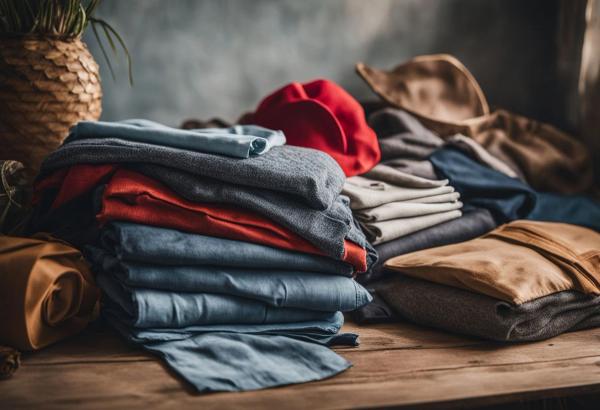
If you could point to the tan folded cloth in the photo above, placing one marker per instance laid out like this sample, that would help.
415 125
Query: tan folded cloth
442 93
517 262
46 292
405 209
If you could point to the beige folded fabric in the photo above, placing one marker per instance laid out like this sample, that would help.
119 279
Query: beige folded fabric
386 173
436 199
380 232
47 292
407 209
445 97
517 262
368 193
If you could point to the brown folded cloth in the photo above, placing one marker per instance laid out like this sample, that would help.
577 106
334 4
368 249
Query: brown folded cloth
444 95
517 262
47 292
10 360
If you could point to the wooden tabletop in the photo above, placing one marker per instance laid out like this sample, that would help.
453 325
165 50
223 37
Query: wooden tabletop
395 365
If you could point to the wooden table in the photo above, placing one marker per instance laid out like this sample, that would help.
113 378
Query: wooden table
396 365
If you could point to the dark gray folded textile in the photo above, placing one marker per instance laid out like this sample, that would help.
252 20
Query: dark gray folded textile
325 229
307 174
401 135
473 223
470 313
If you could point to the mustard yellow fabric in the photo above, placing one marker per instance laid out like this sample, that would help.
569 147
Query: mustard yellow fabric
47 292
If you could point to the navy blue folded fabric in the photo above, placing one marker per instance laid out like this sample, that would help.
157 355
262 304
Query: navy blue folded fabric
162 246
508 198
245 357
277 288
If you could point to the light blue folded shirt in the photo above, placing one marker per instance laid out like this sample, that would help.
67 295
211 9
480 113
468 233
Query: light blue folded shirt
240 141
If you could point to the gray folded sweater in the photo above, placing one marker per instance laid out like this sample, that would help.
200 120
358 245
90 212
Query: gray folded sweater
309 175
471 313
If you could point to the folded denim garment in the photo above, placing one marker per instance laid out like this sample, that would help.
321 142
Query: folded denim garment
473 223
162 246
385 231
245 357
369 193
517 262
149 308
470 313
306 174
278 288
509 198
241 141
47 292
407 209
386 173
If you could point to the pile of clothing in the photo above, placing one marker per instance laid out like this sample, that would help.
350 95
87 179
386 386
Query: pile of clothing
224 251
521 263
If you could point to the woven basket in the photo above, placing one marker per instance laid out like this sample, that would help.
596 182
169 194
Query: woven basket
46 86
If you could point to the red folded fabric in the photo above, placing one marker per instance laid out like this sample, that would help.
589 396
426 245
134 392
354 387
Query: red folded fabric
321 115
133 197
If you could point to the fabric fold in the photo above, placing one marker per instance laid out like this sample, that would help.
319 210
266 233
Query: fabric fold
241 141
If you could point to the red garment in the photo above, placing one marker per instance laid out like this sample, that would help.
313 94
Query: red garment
321 115
133 197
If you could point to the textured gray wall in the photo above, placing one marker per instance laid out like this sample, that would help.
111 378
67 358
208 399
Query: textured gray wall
205 58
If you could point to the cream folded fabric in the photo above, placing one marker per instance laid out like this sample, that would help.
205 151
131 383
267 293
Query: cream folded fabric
380 232
386 173
413 208
368 193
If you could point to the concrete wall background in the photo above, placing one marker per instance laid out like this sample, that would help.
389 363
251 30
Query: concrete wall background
205 58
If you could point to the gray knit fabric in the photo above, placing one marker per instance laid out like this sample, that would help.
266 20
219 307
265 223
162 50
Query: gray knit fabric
326 229
310 175
470 313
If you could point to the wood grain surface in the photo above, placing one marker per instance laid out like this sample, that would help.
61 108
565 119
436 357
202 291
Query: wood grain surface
396 365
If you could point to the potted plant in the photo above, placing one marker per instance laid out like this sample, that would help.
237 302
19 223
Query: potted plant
48 79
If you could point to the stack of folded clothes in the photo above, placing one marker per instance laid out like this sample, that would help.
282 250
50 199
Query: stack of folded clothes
402 194
225 251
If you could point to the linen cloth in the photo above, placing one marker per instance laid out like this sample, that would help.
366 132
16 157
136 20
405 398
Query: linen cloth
241 141
308 175
460 311
47 292
406 209
517 262
394 176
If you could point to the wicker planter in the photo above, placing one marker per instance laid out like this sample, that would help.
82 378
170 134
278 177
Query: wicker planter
46 86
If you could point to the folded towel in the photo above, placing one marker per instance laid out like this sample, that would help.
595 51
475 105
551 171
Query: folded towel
240 141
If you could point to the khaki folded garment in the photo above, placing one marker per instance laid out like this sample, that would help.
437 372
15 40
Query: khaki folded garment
445 97
46 292
517 262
